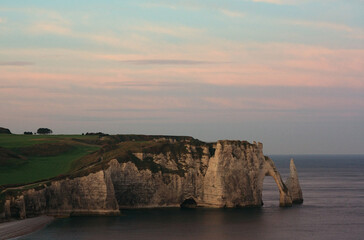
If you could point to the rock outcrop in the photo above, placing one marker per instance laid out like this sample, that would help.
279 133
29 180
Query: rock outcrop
293 184
222 174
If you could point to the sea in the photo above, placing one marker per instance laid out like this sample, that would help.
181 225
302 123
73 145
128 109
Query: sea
333 208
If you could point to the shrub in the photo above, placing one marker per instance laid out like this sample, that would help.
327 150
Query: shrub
44 131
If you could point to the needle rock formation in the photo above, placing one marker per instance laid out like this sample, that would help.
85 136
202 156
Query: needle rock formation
293 184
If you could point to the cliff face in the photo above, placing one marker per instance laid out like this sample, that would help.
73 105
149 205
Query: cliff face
223 174
92 194
231 177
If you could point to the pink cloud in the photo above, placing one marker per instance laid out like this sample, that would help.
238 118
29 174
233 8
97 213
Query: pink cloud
351 31
272 64
268 64
50 28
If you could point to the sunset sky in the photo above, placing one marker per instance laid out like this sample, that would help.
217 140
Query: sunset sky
288 73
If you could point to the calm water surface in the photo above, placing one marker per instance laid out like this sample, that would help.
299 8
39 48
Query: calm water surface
333 208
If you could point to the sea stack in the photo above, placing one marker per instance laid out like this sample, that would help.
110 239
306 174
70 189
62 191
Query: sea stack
293 184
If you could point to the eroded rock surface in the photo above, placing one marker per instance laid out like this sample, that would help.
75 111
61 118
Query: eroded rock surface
92 194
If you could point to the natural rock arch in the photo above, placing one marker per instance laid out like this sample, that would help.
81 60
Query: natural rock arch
285 199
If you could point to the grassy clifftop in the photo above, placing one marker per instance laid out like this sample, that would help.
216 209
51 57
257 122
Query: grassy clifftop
29 158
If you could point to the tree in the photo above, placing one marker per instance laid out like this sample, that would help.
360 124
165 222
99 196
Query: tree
44 131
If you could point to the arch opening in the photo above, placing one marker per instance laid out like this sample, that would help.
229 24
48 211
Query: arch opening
285 199
270 192
189 203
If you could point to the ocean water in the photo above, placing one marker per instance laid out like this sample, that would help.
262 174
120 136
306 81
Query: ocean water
333 208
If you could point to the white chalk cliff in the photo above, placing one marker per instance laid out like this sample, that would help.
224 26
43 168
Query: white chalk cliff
222 174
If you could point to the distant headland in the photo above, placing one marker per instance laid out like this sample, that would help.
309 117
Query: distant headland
99 174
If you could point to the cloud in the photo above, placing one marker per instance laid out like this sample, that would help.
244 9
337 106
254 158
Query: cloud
2 20
157 5
170 30
42 28
272 1
158 84
166 62
354 32
283 2
16 63
251 64
187 5
51 28
195 6
232 14
39 13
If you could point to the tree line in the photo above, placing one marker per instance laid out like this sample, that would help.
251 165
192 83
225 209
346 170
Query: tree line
40 131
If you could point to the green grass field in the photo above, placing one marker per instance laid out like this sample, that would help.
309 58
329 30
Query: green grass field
15 141
25 159
18 168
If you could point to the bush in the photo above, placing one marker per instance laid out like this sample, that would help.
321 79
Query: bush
44 131
100 134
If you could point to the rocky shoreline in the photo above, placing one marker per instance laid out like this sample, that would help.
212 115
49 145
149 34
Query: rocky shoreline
19 228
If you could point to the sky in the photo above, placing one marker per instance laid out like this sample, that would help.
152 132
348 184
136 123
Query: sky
287 73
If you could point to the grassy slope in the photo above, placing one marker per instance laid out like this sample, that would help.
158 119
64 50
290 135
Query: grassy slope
41 167
13 141
83 158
